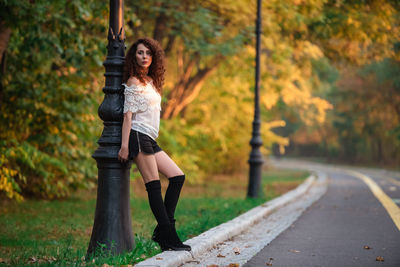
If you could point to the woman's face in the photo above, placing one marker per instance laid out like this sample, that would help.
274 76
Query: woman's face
143 56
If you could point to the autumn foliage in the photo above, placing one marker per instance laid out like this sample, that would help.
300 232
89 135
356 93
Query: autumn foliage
329 86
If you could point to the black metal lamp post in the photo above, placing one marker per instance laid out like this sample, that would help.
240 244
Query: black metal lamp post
256 160
112 223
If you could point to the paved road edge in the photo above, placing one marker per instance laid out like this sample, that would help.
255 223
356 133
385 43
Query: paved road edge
227 230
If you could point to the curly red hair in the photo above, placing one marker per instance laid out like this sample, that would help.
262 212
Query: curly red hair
156 69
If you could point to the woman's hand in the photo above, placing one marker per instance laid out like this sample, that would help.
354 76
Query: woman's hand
123 154
126 128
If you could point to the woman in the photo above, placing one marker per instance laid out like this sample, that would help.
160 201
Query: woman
143 79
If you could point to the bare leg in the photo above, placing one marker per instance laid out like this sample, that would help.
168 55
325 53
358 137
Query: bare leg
166 165
147 166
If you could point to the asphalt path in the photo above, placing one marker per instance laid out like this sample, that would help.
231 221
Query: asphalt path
348 226
388 181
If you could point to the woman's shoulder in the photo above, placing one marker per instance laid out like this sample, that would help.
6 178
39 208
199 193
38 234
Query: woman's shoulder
133 84
133 81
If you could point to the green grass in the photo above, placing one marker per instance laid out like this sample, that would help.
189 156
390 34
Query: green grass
277 175
57 232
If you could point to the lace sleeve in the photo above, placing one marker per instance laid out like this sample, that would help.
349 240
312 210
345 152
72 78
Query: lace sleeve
134 99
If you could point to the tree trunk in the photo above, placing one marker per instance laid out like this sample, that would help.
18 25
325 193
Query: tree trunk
5 33
193 89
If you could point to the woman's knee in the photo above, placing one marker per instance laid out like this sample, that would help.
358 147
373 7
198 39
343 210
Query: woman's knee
177 172
148 180
177 178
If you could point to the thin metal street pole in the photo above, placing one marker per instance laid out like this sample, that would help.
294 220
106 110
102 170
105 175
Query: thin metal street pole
256 160
112 223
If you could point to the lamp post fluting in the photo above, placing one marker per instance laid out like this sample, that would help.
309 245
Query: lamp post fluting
112 223
256 159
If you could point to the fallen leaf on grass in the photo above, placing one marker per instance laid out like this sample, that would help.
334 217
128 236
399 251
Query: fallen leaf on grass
379 258
32 259
236 250
233 265
127 265
294 251
220 256
4 260
50 259
367 247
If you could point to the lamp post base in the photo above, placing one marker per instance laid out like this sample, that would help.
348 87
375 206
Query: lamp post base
112 229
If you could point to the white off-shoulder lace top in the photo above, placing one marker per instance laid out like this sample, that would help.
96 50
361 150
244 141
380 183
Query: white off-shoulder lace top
145 103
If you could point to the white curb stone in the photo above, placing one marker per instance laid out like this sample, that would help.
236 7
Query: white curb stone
242 247
207 240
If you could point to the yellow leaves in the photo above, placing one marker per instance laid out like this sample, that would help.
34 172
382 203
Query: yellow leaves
88 117
354 23
269 135
274 124
71 135
54 129
297 92
297 2
310 50
46 109
6 185
269 99
321 106
293 95
304 51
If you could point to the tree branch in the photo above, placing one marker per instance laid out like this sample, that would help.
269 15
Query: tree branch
188 88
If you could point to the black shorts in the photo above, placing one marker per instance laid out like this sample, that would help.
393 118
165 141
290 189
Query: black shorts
140 142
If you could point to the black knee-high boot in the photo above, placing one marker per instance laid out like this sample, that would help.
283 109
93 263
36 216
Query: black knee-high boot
170 202
172 195
168 239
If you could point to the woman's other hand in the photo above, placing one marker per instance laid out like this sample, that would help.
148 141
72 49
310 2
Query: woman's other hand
123 154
